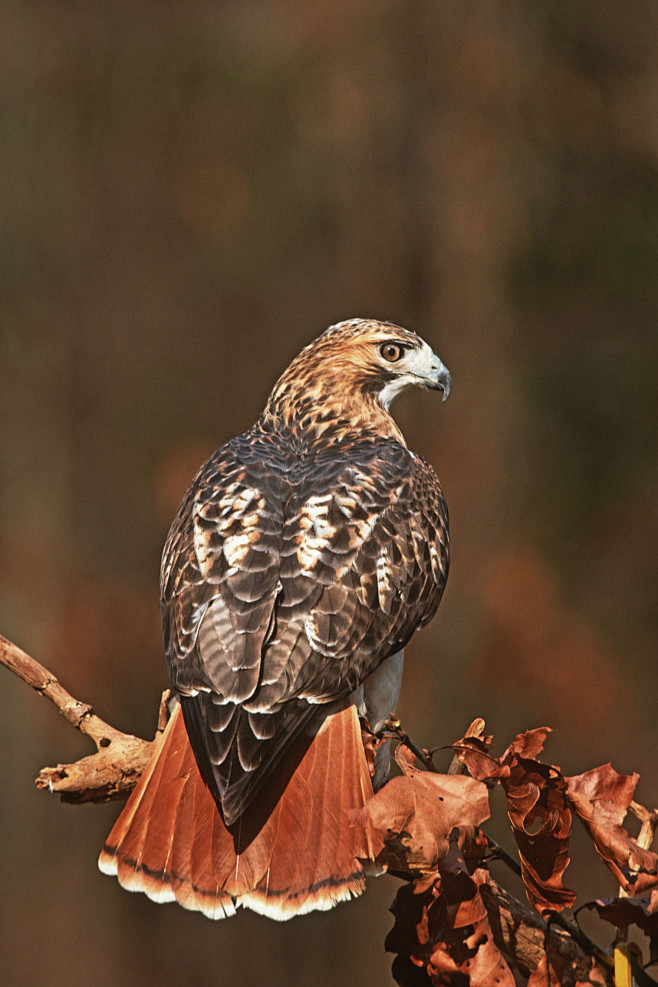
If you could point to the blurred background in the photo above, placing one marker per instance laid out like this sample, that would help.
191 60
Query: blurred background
190 192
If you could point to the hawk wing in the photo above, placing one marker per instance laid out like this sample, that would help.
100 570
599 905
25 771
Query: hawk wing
286 581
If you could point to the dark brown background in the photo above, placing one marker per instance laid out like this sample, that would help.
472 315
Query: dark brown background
189 192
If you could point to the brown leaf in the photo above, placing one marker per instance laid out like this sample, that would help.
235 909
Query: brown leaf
561 972
467 945
541 823
474 847
442 930
420 809
537 808
410 935
601 798
462 897
528 744
473 752
407 974
406 759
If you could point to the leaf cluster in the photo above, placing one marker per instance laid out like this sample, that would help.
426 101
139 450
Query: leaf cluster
427 826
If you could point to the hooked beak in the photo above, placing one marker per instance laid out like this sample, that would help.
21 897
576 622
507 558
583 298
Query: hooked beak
439 378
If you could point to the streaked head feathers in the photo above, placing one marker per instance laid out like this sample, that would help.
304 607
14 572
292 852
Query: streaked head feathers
348 377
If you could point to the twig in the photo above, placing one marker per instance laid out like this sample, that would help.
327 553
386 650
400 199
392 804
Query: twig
476 729
499 852
394 725
567 922
649 820
113 771
81 715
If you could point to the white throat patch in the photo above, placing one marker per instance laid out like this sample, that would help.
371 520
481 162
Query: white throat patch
392 389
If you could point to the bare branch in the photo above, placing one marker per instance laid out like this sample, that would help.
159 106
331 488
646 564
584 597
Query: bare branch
113 771
649 820
394 725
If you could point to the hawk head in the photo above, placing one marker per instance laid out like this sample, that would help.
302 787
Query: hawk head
351 374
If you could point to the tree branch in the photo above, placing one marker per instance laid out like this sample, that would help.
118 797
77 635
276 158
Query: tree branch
113 771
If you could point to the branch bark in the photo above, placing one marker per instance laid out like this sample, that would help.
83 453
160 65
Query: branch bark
120 758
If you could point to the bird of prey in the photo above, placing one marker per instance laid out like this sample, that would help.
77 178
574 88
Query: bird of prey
303 557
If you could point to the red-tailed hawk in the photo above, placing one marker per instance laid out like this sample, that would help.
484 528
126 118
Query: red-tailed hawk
305 554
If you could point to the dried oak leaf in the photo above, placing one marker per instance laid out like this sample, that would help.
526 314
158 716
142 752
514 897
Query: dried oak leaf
601 798
467 946
474 847
529 744
410 936
442 933
537 809
419 810
541 824
474 754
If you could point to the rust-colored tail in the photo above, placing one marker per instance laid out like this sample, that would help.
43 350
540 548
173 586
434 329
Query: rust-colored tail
292 851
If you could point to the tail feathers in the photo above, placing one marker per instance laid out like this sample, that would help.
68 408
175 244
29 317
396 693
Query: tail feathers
291 852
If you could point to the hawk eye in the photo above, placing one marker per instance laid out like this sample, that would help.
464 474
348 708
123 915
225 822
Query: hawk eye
391 352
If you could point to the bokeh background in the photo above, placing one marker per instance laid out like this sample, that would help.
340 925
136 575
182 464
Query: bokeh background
189 192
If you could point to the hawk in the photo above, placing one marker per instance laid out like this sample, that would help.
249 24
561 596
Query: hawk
303 557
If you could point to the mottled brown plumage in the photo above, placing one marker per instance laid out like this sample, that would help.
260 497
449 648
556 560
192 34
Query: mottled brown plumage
305 553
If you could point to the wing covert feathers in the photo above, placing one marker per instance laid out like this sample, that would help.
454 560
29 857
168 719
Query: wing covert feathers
287 580
291 852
